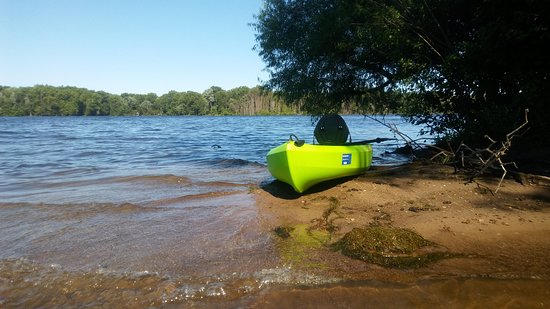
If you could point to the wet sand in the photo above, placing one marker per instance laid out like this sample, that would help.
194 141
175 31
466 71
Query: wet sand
500 242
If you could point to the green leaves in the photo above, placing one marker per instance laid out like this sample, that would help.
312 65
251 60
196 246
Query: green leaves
463 62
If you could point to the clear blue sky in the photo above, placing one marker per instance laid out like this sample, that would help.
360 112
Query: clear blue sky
135 46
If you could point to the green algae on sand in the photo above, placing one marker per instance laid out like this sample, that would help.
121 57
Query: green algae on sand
390 247
298 241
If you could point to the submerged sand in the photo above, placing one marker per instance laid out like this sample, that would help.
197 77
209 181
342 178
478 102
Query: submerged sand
498 236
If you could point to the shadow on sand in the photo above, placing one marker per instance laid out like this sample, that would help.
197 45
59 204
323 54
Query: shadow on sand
282 190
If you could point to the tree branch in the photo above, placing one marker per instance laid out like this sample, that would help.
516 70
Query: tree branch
476 162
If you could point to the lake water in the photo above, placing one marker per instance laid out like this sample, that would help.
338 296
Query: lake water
153 212
144 159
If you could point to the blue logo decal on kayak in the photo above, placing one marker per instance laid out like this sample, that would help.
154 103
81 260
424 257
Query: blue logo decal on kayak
346 158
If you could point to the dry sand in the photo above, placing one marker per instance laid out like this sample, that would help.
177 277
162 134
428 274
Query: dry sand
504 235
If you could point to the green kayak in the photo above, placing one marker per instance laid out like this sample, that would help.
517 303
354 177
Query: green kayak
304 165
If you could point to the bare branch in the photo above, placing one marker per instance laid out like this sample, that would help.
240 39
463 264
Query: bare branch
393 128
477 162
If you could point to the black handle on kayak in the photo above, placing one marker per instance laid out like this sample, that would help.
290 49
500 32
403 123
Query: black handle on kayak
298 142
370 141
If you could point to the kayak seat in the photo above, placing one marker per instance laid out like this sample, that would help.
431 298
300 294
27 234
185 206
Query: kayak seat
331 130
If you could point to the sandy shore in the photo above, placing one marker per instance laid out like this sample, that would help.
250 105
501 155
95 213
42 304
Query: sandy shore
502 236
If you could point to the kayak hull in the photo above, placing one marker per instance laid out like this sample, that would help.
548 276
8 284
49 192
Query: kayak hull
307 165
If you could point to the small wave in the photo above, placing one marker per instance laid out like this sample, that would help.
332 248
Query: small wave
67 184
32 285
87 154
217 184
151 179
163 179
126 207
37 165
76 171
77 210
185 198
234 163
14 205
114 208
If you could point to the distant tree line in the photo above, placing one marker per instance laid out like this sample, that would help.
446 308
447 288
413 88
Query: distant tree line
72 101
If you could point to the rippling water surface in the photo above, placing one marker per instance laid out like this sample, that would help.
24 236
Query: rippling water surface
112 159
144 211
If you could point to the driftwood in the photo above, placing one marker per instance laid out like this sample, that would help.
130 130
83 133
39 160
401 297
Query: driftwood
410 142
477 162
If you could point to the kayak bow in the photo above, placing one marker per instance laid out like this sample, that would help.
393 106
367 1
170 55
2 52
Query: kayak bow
304 165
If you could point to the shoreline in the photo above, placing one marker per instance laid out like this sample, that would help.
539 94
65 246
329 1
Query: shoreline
499 236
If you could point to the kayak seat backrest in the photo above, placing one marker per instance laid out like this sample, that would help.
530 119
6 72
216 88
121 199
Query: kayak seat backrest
331 130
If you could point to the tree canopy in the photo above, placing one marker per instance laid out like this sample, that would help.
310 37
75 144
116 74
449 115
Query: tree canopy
463 68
